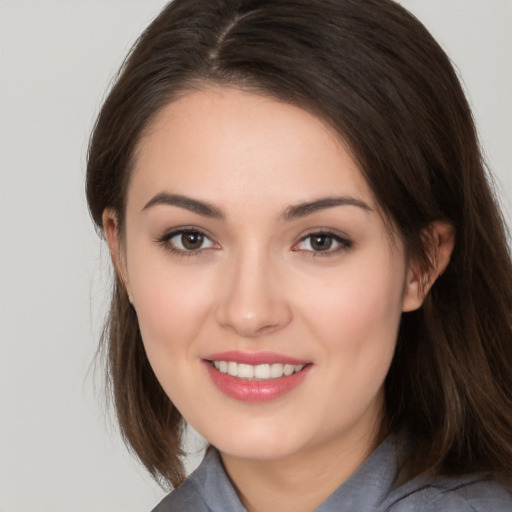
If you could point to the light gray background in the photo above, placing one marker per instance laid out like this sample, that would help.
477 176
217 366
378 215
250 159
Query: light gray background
58 451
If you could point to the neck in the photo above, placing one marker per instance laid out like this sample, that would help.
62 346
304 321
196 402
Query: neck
302 481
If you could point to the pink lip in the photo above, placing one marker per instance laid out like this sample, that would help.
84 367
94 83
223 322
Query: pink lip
253 391
254 358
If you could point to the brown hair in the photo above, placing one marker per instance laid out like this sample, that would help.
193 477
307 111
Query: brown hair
373 72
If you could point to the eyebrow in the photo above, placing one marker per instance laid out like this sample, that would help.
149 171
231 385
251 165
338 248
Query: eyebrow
304 209
292 212
200 207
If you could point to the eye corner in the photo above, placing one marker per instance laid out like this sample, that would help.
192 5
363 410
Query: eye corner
323 242
199 242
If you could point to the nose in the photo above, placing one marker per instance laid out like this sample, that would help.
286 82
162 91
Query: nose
253 303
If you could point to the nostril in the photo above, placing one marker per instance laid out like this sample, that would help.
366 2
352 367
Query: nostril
253 304
250 329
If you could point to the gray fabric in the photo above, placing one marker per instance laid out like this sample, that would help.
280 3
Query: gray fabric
370 489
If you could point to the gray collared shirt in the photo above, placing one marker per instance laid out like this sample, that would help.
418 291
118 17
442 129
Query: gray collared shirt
370 489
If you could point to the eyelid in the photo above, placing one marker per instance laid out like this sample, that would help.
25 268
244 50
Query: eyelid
343 241
165 240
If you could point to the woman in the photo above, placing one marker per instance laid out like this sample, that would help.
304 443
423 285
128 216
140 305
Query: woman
311 269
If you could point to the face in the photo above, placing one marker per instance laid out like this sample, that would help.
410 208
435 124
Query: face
267 286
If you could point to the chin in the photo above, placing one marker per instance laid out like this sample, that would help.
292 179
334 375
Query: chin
266 450
258 442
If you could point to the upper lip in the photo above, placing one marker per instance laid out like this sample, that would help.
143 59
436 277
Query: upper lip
254 358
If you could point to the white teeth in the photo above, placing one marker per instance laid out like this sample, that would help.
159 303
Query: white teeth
233 369
276 370
259 372
245 371
289 369
262 371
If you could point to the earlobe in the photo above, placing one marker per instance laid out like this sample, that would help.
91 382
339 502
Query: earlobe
439 241
111 232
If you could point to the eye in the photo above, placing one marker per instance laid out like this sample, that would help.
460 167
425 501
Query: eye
187 241
322 242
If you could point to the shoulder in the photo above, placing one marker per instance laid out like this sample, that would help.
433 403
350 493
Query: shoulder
450 495
207 489
186 498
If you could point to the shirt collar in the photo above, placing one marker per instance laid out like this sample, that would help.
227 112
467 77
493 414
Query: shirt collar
364 490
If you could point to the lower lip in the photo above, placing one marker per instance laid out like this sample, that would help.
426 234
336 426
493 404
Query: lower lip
255 390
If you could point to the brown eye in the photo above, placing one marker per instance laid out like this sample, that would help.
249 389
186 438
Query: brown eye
187 241
192 241
321 242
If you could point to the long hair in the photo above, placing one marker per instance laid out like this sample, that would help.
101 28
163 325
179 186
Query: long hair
376 75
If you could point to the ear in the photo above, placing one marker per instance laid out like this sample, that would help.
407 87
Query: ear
111 231
439 241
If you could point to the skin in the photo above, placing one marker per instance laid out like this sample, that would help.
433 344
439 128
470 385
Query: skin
257 284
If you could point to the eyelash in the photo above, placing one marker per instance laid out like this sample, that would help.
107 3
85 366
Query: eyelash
344 243
165 242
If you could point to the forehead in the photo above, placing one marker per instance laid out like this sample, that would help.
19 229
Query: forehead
223 142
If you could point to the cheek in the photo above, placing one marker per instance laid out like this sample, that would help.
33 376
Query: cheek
172 306
366 297
356 315
356 318
173 313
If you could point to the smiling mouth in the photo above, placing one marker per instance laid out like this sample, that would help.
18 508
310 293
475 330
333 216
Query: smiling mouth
257 372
